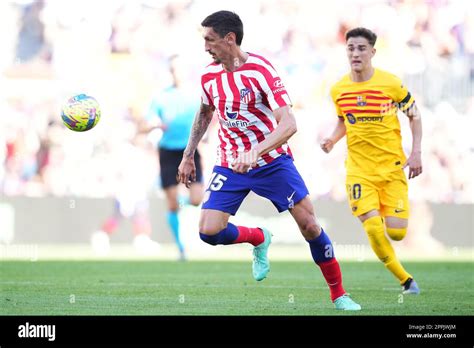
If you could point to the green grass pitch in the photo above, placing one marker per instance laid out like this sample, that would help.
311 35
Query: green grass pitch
224 288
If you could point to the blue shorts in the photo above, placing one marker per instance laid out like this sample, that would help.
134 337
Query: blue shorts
278 181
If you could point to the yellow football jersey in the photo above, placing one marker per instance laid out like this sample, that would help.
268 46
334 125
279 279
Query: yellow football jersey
369 110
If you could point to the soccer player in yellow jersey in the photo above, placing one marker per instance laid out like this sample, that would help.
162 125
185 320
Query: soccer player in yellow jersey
367 101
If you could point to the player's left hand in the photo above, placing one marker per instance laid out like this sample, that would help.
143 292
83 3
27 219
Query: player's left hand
244 161
414 164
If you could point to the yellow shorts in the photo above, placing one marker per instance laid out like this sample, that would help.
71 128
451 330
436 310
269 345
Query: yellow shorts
387 193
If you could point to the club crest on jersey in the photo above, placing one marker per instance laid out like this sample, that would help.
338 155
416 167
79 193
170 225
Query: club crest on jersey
245 95
361 101
231 114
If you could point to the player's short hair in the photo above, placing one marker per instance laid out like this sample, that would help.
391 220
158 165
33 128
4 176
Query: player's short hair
364 32
224 22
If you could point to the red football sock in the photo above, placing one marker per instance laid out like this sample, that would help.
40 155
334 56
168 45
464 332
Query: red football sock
333 276
250 235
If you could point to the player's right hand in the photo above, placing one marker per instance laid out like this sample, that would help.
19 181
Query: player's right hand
245 161
327 145
186 171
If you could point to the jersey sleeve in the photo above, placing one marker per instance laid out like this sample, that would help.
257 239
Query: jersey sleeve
206 98
400 94
273 87
334 95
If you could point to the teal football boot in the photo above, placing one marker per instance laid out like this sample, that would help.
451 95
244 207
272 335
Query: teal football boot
261 265
345 303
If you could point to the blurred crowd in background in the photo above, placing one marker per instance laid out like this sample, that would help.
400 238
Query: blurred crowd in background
117 51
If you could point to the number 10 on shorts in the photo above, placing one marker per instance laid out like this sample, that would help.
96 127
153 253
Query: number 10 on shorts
216 182
355 191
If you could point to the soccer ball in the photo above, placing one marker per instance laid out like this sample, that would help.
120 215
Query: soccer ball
80 113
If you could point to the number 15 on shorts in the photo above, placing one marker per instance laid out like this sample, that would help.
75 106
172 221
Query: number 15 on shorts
216 182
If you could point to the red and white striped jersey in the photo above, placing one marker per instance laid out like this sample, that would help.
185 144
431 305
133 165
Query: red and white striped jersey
244 100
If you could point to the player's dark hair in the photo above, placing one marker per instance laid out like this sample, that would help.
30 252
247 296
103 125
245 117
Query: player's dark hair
364 32
224 22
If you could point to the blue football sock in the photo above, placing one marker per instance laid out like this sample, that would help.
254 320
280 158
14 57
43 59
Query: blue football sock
173 222
226 236
321 248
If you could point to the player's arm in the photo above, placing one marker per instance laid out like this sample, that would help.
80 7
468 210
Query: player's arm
406 103
280 103
283 131
187 168
338 133
414 160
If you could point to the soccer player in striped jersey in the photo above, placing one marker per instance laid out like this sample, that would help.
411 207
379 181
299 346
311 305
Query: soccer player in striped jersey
367 102
252 105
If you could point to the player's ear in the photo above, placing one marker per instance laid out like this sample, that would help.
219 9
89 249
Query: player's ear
230 38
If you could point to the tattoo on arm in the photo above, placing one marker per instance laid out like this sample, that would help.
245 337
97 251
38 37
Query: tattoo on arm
201 123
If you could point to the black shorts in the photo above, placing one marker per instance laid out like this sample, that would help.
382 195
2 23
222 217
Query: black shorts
169 163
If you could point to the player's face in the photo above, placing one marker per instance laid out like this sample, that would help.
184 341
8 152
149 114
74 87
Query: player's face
215 45
360 53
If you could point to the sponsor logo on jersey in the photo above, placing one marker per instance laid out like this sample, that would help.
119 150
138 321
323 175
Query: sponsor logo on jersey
235 124
361 101
278 83
351 119
231 121
245 95
279 87
363 119
399 210
231 114
370 118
